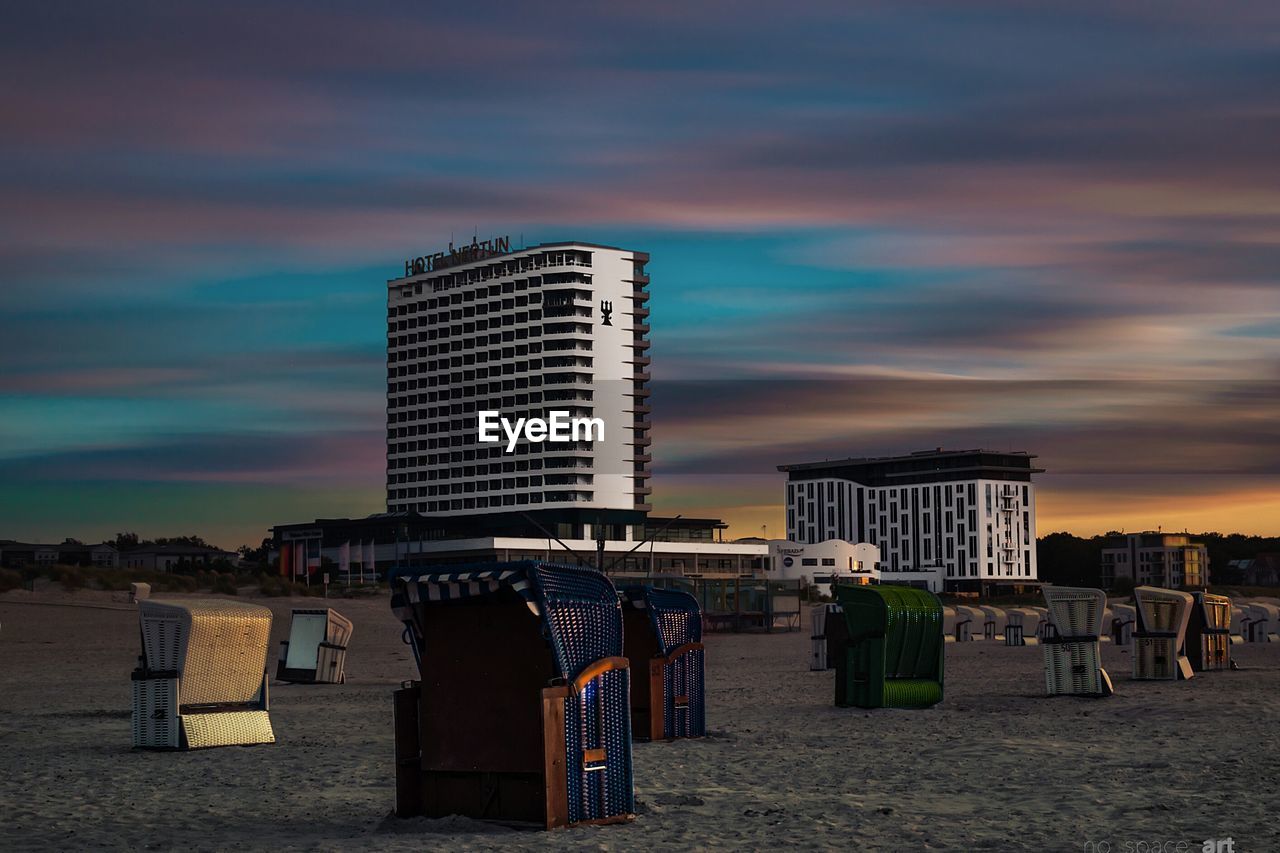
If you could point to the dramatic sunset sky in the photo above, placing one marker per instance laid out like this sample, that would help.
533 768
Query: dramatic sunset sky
874 228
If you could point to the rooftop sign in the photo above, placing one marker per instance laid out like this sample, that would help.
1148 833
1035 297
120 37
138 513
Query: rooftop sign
476 250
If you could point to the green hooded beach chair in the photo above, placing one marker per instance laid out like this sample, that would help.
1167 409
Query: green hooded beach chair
892 657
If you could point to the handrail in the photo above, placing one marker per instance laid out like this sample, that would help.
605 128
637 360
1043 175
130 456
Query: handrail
679 651
597 669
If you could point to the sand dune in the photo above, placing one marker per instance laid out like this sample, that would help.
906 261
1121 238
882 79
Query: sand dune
996 766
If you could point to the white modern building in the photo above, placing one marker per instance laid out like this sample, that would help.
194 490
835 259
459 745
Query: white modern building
969 516
824 563
524 333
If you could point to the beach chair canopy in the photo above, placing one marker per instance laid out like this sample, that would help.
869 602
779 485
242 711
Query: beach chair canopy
675 615
217 647
1162 611
894 648
578 608
1076 611
523 712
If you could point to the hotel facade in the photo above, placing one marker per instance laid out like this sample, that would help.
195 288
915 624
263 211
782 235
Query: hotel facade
968 517
558 327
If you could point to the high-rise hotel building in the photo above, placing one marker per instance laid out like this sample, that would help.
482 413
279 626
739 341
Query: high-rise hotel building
970 513
524 332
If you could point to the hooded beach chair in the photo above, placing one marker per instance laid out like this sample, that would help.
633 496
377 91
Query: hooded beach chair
1072 652
1108 618
1266 624
522 713
1208 641
993 622
316 651
948 624
201 679
819 659
893 654
1124 618
1022 627
139 592
1238 623
1159 651
662 637
969 622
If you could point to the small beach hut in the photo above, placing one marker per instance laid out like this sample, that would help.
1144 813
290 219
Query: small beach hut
201 679
522 712
1208 641
1123 619
316 651
1159 652
662 637
893 657
1073 655
819 659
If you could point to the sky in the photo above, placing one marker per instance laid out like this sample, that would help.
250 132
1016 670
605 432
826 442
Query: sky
874 228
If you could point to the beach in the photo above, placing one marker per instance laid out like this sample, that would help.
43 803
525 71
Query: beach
995 766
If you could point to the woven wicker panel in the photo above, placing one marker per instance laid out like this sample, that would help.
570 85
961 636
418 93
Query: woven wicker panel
598 717
1155 658
1076 611
226 651
1217 610
582 613
340 628
165 631
227 728
1215 651
1073 668
330 665
683 679
155 713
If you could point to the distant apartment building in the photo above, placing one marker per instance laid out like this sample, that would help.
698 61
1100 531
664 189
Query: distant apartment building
1155 559
968 516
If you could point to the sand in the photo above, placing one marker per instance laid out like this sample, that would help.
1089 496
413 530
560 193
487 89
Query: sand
996 766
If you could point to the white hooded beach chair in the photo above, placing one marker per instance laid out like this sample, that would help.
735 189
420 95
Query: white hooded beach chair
1073 657
993 621
139 592
1022 627
819 659
1159 650
201 680
1108 619
969 621
1124 617
316 651
948 624
1264 624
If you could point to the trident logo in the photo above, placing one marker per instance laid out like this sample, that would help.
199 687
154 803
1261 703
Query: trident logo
606 311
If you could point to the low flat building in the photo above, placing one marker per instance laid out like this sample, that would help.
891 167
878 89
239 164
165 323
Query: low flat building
1169 560
168 558
824 563
369 547
17 555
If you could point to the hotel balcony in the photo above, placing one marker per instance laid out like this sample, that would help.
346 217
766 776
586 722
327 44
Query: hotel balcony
642 328
641 360
640 295
641 312
642 376
642 409
644 507
643 458
643 490
642 344
642 442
